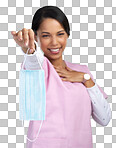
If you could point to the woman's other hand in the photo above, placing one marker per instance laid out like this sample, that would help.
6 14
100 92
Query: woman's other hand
73 76
25 39
69 74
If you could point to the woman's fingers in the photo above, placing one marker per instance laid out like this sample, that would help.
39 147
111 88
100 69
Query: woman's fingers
25 39
31 40
19 35
13 33
68 68
25 36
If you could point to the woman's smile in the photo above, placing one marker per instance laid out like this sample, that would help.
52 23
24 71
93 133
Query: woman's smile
54 51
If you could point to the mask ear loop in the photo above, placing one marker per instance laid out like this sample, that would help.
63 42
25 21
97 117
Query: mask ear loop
26 57
31 140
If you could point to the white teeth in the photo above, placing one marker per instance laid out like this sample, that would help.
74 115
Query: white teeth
54 49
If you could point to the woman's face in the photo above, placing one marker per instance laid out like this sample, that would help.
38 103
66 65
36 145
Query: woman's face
52 38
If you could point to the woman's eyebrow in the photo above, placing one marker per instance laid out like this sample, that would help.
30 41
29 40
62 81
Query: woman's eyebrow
49 33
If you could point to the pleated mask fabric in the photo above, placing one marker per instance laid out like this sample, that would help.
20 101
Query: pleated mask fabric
32 95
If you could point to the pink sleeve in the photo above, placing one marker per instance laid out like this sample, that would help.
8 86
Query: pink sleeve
88 71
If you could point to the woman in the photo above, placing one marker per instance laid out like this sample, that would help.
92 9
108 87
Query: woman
71 97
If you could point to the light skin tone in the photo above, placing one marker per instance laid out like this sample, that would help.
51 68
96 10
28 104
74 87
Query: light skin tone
50 36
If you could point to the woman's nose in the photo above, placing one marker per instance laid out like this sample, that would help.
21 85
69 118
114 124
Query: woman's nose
54 41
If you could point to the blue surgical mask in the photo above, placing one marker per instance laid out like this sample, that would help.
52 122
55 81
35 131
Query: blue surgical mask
32 95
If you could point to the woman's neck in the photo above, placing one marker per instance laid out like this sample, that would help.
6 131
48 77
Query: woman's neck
58 63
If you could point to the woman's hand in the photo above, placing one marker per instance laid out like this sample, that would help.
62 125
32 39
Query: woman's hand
69 74
25 39
73 76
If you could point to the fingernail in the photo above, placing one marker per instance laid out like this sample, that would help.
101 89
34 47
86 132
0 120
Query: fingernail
30 50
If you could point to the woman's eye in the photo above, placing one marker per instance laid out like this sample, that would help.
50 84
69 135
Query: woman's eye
48 35
45 36
61 34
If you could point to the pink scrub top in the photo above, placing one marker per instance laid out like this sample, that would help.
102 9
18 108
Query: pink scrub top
68 112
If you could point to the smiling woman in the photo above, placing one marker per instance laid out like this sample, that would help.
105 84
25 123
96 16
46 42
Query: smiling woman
71 97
